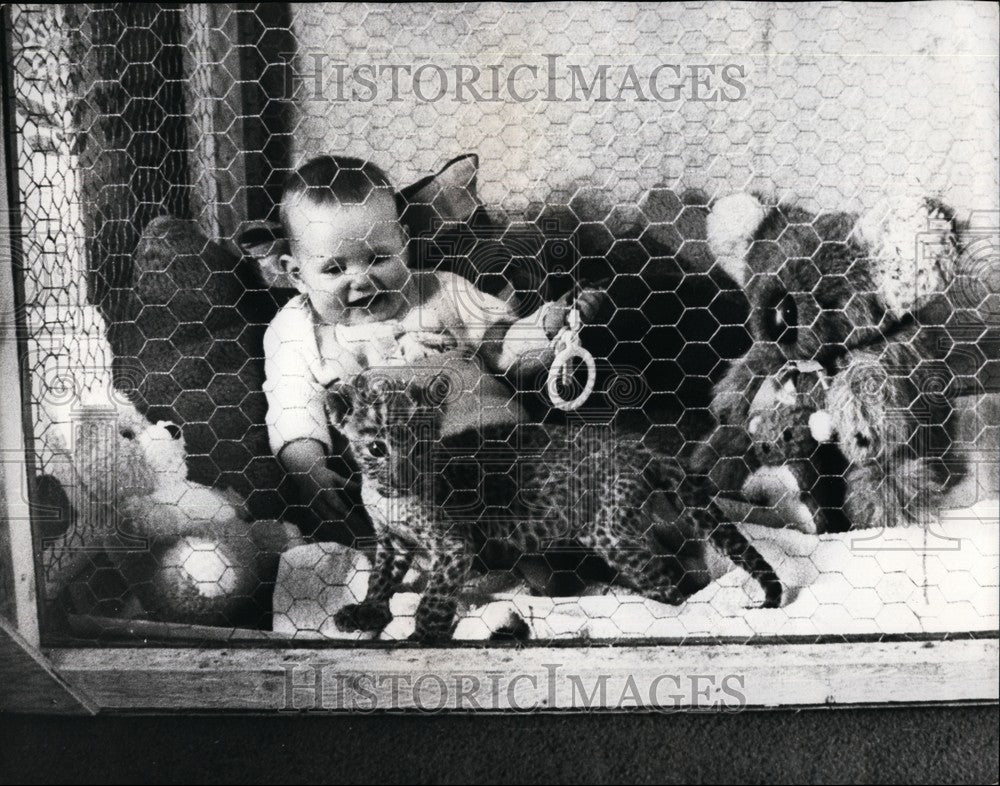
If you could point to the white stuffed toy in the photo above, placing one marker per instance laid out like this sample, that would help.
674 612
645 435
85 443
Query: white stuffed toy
207 562
175 505
796 468
190 552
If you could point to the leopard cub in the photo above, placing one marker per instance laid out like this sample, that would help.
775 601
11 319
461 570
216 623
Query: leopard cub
445 497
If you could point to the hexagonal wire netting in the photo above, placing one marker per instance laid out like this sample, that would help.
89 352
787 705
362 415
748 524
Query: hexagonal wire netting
607 135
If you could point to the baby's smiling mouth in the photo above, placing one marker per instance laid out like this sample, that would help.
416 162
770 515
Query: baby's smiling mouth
364 301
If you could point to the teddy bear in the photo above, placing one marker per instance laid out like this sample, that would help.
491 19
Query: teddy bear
188 551
168 503
846 293
208 562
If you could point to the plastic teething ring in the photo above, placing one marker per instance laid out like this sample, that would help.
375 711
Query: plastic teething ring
571 349
561 368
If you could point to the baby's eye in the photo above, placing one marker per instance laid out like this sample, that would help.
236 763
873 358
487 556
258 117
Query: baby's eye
379 259
377 448
333 269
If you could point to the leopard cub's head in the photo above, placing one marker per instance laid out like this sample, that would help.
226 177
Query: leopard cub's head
392 425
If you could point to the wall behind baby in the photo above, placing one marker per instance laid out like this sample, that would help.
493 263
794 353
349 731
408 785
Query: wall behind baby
835 105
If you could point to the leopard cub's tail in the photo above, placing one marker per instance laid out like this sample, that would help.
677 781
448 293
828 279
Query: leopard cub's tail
733 543
696 496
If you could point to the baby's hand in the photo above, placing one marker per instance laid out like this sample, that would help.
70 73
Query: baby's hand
327 372
588 303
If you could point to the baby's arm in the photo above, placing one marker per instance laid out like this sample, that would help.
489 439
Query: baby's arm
509 344
528 344
304 459
296 419
522 345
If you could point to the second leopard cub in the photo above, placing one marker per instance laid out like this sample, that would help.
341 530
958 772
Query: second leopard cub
443 498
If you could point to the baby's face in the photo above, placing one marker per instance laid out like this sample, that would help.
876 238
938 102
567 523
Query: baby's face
350 260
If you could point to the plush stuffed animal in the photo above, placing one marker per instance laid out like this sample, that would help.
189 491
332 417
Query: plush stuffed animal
797 472
173 505
207 562
845 293
189 552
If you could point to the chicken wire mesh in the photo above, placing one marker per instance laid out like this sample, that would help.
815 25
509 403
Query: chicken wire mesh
608 137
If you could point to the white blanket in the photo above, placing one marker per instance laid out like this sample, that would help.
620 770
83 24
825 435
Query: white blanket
933 579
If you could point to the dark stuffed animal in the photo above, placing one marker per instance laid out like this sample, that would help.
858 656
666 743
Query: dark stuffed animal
670 322
194 356
846 293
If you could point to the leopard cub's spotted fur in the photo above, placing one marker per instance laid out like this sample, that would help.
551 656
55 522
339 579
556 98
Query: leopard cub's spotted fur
531 486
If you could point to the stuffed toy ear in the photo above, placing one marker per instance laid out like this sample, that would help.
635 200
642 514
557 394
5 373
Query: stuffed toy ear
451 193
914 250
267 243
730 228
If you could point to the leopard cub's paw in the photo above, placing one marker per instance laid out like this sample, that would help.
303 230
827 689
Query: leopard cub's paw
363 616
672 596
430 636
433 631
